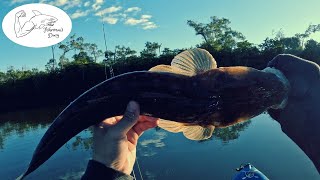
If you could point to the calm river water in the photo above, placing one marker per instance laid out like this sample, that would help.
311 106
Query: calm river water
161 155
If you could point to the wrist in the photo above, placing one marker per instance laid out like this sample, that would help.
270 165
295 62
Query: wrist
98 171
98 159
104 161
113 164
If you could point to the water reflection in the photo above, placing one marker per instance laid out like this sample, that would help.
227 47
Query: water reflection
149 147
162 155
20 123
72 175
230 133
150 175
17 124
84 143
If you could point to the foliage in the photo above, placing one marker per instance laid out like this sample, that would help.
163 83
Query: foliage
123 52
151 50
217 34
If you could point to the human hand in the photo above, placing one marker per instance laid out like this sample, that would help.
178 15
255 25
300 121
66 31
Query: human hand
303 75
300 118
116 138
304 80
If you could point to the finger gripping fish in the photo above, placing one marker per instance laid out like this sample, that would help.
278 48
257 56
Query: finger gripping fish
191 96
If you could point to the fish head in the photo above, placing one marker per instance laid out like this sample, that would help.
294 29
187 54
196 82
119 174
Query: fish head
48 20
240 93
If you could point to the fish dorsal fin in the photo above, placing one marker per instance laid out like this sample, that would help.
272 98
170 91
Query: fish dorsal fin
35 12
171 69
192 132
194 61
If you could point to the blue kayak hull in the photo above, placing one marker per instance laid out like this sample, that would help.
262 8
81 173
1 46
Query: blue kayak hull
249 172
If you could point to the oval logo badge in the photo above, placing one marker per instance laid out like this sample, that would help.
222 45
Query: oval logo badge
37 25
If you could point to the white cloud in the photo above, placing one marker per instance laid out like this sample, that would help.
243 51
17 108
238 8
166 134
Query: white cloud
17 1
72 4
66 4
99 1
132 9
110 20
79 14
132 21
123 15
86 4
96 7
149 25
144 21
97 4
59 2
111 15
109 10
146 16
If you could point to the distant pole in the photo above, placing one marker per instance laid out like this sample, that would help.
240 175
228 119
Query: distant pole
114 60
54 60
106 52
104 36
111 71
52 49
105 68
115 52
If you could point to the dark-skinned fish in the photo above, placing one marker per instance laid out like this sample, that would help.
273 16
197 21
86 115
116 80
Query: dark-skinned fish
191 96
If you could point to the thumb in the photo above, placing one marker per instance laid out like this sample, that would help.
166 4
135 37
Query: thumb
129 119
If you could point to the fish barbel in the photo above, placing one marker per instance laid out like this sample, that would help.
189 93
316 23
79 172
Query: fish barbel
191 96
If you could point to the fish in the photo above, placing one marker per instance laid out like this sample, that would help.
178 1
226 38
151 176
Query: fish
38 21
191 96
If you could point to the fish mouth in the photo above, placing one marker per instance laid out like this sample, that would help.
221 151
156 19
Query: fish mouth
50 24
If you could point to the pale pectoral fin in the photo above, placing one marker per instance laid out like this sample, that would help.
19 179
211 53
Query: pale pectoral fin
198 132
171 126
170 69
192 132
194 61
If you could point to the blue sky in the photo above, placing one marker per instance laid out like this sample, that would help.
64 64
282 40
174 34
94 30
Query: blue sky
133 22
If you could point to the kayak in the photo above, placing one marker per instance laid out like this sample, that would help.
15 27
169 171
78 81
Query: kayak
248 172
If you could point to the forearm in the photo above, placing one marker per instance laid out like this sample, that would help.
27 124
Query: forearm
302 126
98 171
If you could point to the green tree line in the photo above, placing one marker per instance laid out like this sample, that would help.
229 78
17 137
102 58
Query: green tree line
81 64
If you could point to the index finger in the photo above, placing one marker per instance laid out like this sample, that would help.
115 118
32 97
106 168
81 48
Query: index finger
144 118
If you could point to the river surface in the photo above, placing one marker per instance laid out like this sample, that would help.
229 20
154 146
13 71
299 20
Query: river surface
161 155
